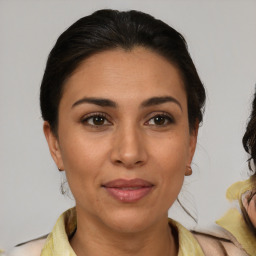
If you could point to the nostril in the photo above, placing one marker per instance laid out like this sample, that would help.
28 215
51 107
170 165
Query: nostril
137 163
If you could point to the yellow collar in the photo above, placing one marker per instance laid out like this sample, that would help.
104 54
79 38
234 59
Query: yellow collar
57 243
188 245
233 221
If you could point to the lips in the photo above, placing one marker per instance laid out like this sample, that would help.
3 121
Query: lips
128 190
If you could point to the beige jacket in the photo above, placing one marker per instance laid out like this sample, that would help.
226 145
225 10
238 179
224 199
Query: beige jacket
212 246
191 244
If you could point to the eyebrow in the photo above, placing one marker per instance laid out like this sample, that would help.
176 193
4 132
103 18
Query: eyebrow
160 100
96 101
109 103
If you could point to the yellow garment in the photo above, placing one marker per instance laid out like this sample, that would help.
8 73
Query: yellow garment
57 243
188 245
233 220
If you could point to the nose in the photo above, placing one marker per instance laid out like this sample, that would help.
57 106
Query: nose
129 148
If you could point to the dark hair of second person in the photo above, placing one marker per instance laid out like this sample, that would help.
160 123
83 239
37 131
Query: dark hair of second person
249 143
249 139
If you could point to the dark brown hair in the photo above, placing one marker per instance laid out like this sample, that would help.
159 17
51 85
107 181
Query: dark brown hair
249 139
249 143
110 29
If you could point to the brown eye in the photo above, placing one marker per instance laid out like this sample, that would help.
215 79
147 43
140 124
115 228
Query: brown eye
96 120
160 120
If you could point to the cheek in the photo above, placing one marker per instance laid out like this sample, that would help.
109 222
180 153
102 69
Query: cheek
82 161
173 154
80 150
252 211
171 159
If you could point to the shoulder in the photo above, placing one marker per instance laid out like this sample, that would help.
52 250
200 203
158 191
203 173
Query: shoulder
31 248
212 245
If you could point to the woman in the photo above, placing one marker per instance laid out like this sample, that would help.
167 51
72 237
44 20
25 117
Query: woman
121 102
241 223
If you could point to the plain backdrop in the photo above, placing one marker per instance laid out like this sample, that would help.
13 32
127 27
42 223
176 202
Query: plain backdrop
222 38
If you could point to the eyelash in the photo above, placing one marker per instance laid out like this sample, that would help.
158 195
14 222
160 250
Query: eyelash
168 119
85 119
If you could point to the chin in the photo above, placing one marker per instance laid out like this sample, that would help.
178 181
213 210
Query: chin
130 221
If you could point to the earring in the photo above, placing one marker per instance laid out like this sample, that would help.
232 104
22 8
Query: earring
188 170
60 169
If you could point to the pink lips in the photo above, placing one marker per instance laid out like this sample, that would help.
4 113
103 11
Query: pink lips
128 190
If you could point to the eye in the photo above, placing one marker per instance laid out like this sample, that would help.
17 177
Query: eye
160 120
98 119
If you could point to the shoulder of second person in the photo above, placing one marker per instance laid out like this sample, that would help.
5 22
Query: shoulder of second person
30 248
218 246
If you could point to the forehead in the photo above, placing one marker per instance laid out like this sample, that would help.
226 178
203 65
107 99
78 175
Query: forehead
119 72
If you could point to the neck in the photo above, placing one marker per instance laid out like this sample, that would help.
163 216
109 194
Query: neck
155 240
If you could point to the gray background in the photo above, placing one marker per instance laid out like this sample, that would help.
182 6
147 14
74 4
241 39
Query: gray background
222 38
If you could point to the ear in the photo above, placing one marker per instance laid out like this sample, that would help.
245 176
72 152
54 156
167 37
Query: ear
193 142
53 145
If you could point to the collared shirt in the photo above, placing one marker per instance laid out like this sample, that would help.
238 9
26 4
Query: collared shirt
233 220
57 243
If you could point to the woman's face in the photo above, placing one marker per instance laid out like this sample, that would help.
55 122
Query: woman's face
123 138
